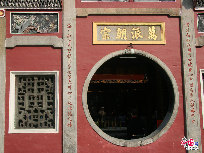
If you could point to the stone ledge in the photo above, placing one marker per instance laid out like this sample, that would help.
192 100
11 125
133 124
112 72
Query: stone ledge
53 41
83 12
2 81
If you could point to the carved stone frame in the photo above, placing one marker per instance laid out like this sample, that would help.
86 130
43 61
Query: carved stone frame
12 102
168 121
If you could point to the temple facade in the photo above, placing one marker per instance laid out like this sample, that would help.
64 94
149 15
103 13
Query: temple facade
80 76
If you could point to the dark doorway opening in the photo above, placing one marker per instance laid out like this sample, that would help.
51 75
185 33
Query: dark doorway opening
129 96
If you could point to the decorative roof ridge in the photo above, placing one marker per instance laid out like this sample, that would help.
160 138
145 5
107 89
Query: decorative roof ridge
31 4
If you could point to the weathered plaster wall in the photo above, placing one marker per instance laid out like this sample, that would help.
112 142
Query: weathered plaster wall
127 11
191 101
200 65
33 52
69 78
53 41
147 5
88 55
33 59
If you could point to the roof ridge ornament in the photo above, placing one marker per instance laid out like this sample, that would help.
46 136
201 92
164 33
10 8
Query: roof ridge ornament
31 4
199 4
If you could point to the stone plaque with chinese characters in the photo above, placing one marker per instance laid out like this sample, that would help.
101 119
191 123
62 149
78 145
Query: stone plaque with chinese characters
126 33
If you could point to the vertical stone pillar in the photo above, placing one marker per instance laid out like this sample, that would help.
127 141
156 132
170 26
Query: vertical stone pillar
2 80
69 78
191 101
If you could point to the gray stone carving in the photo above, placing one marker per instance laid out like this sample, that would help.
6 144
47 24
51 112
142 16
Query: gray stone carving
35 102
191 99
200 22
69 78
198 3
30 23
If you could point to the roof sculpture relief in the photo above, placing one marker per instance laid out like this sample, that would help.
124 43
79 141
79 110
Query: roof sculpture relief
31 4
199 4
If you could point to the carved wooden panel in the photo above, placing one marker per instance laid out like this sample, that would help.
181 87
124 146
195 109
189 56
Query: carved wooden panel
35 102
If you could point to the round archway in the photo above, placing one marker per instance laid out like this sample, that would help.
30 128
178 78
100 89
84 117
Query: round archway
130 98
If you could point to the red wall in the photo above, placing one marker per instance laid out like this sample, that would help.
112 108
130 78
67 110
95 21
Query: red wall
200 65
106 4
33 59
88 55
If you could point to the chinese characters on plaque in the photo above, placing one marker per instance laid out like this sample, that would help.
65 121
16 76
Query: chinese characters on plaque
126 33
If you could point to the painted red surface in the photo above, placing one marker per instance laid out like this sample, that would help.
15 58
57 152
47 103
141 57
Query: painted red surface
200 65
33 59
80 4
58 34
88 55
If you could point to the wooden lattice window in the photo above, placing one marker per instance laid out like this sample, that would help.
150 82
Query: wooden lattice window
34 102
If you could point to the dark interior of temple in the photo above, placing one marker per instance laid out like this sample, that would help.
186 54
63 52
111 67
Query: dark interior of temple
129 96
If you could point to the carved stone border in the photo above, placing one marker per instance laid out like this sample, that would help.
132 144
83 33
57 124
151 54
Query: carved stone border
13 103
12 21
2 81
83 12
53 41
69 78
161 33
168 121
191 100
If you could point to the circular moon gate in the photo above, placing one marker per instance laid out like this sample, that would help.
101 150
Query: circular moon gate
130 98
